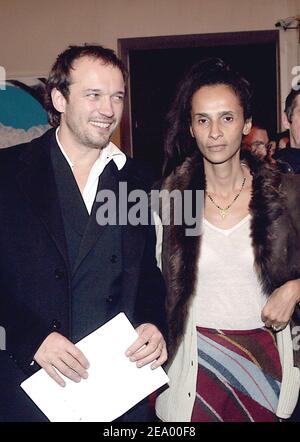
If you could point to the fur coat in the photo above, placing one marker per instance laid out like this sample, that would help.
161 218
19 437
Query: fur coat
275 231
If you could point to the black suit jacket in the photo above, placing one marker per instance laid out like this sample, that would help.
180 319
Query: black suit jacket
35 278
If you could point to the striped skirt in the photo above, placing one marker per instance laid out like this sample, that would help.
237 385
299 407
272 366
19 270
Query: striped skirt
239 376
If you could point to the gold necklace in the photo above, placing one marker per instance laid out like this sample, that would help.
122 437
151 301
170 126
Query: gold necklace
223 210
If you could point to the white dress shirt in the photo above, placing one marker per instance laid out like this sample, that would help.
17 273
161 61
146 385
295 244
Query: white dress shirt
110 152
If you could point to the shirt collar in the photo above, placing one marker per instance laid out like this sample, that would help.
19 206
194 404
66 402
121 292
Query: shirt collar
108 153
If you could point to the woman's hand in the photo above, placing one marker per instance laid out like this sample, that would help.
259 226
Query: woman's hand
281 304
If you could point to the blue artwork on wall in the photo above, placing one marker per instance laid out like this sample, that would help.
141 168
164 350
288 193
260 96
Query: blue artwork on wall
22 115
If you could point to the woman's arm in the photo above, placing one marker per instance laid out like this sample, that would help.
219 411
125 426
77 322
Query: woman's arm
281 304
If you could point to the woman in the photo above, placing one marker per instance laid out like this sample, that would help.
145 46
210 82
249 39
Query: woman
234 287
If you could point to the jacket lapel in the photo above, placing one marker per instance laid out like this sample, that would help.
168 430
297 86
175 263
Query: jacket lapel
72 204
108 181
37 182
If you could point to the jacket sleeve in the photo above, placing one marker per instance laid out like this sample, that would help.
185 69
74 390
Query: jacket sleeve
150 302
24 332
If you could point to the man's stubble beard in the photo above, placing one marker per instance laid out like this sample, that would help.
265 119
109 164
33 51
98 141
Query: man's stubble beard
87 140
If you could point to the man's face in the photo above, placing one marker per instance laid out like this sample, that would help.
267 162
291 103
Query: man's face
257 140
294 126
218 122
93 109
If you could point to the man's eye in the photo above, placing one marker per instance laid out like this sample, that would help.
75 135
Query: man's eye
202 121
228 118
118 97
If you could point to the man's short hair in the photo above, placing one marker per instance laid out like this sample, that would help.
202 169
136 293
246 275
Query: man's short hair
60 74
290 103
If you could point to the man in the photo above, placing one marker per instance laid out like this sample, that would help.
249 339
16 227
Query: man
62 274
257 141
289 158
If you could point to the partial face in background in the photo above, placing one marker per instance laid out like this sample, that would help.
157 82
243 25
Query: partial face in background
282 143
217 122
294 125
93 109
257 140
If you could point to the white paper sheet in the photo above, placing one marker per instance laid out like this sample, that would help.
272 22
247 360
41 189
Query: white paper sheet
114 384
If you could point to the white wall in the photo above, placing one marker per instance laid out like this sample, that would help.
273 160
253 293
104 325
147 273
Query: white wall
33 32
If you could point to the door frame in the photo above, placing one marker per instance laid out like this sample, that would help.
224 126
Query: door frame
126 45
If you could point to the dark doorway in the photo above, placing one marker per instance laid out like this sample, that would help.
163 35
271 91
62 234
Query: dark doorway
156 70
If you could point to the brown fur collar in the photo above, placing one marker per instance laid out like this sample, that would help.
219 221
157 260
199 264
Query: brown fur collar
273 232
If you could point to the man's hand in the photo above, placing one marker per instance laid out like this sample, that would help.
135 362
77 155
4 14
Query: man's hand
57 353
149 346
281 304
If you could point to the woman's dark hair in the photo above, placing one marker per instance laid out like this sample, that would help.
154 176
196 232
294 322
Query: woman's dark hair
208 72
60 74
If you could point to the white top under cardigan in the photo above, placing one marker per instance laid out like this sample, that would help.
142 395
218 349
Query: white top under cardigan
228 293
176 403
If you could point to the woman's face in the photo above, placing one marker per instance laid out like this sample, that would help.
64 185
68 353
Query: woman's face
217 122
